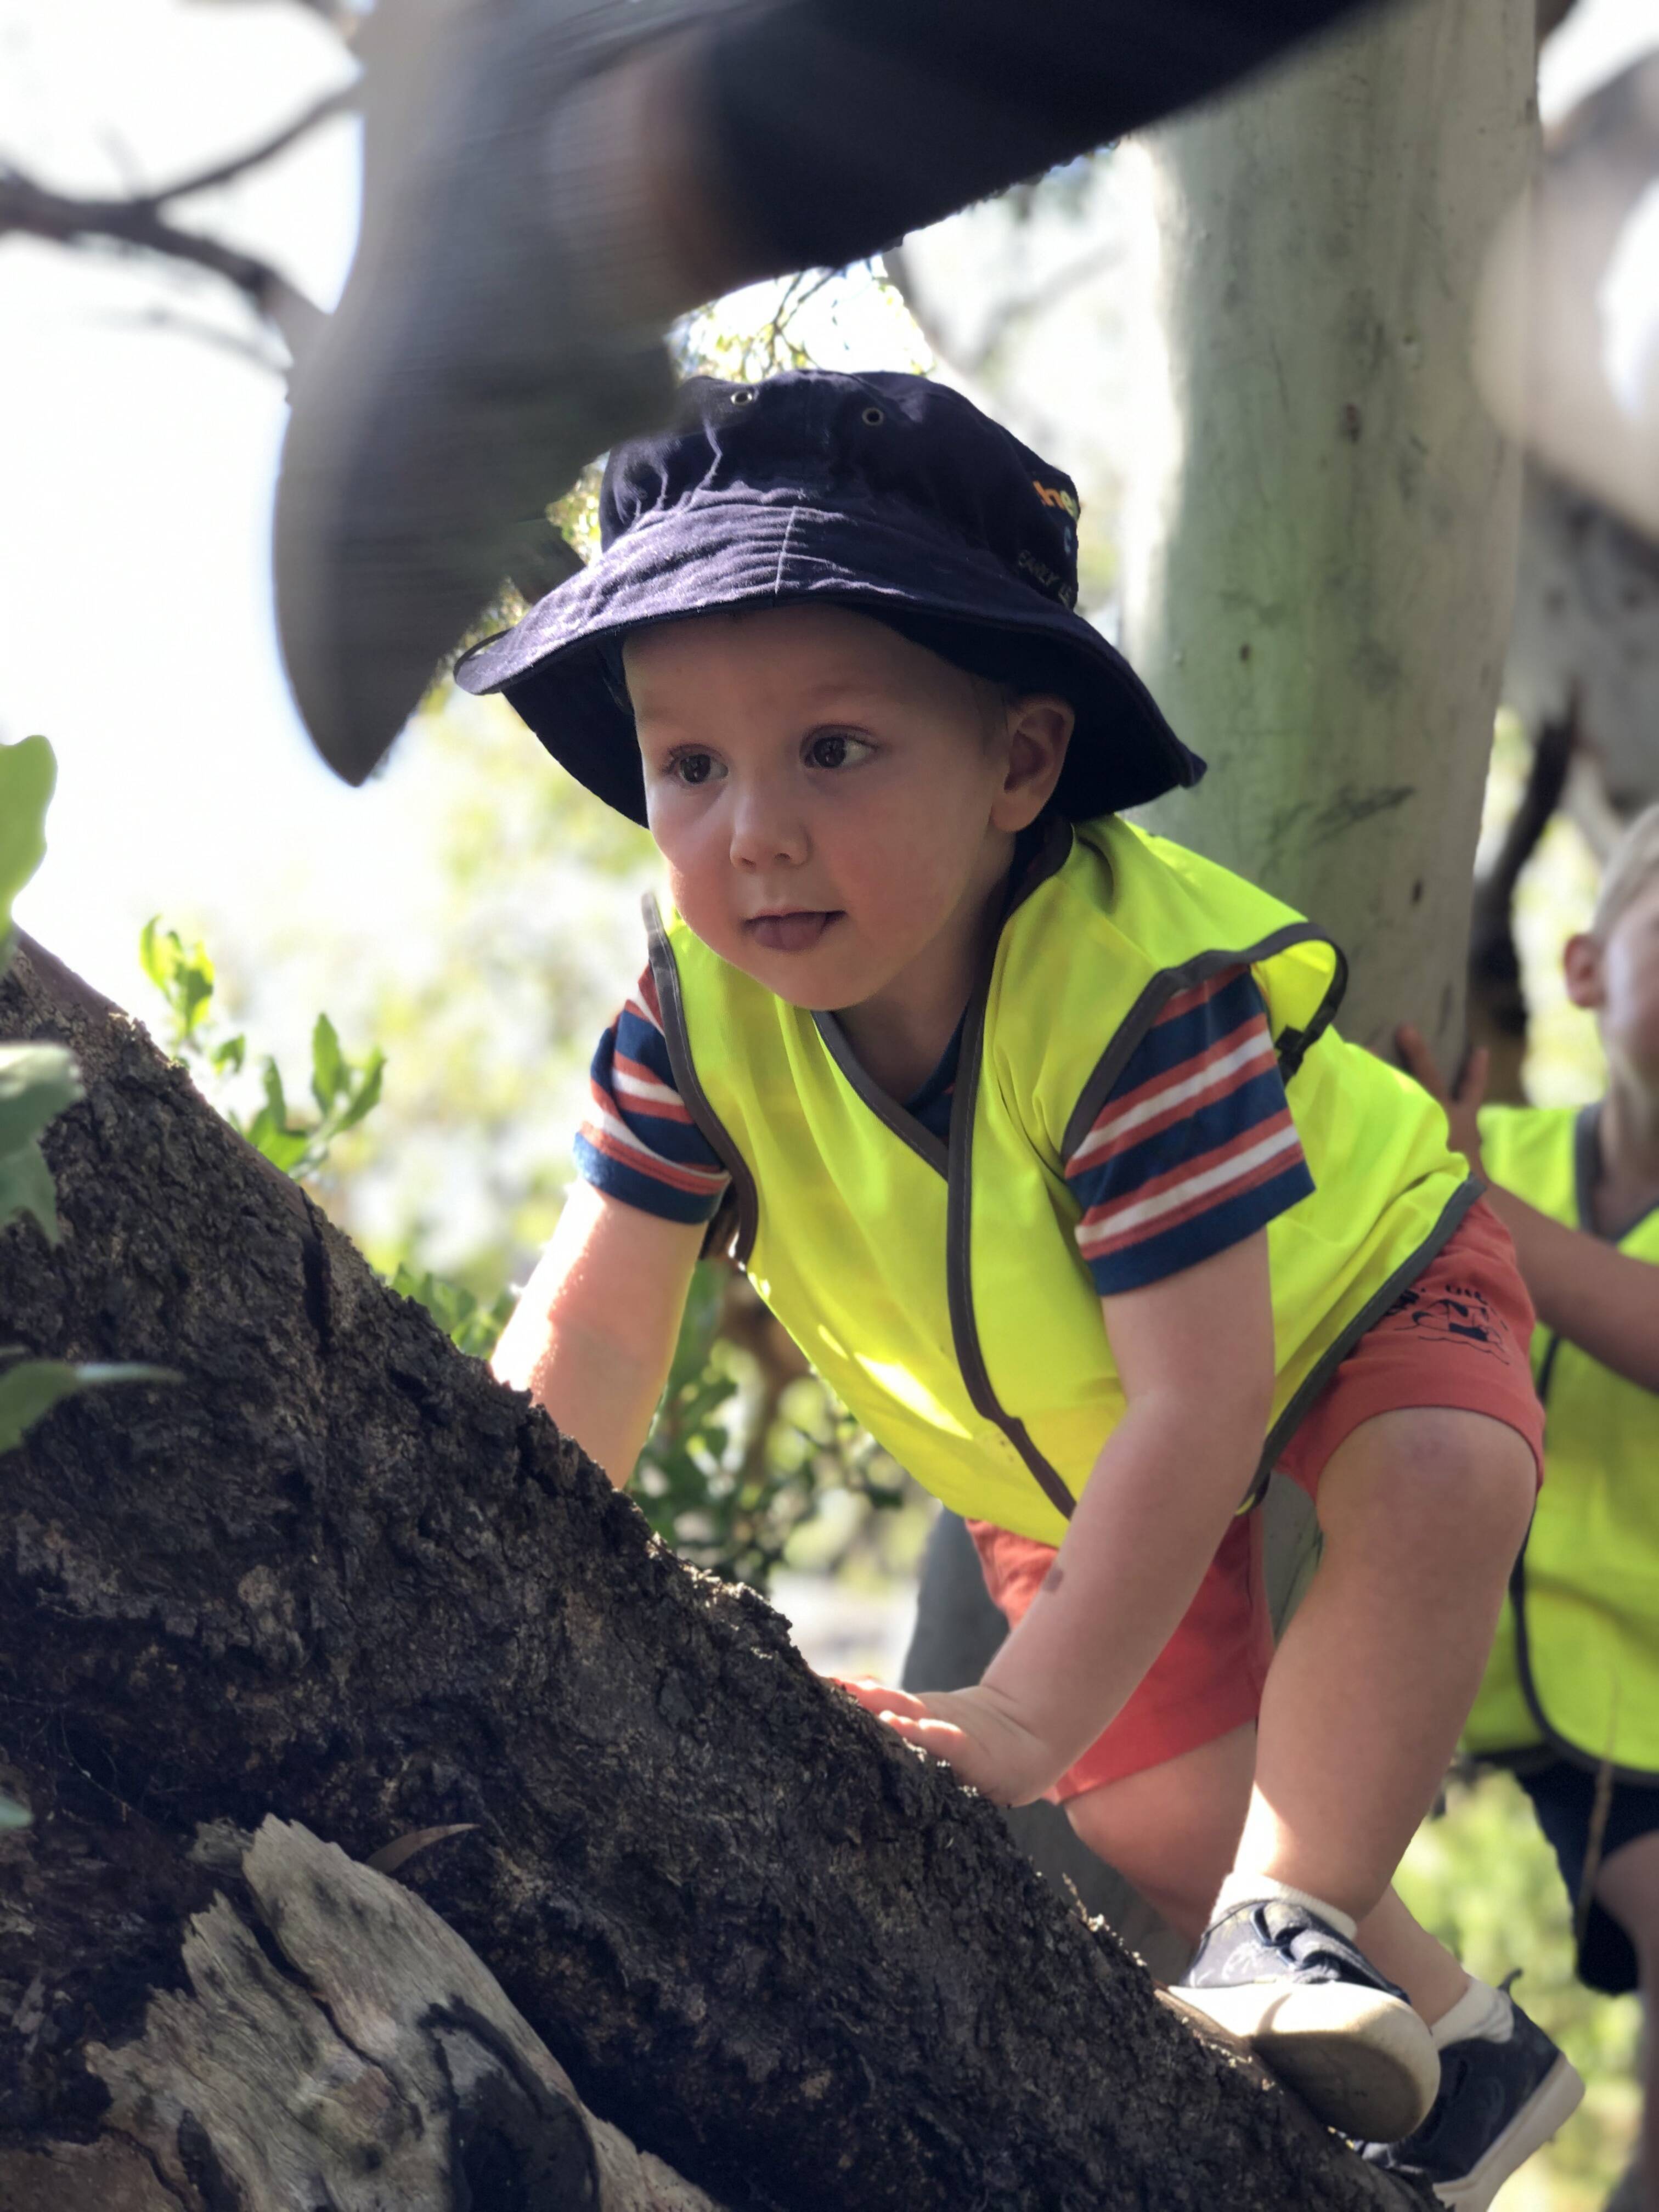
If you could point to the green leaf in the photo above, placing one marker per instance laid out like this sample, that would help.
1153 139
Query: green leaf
697 1326
37 1081
268 1132
226 1058
473 1329
28 772
367 1097
270 1081
149 952
31 1389
329 1074
27 1187
184 977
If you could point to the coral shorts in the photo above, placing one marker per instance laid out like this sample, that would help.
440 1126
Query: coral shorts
1457 1337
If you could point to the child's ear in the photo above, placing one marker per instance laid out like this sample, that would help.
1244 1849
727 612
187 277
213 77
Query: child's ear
1581 964
1039 730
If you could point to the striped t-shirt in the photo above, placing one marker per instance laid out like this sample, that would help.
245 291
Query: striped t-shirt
1193 1150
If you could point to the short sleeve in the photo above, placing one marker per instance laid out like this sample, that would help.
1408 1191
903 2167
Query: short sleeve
1195 1148
638 1141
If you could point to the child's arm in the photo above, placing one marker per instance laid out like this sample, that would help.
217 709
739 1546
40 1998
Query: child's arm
592 1338
1195 1354
1584 1288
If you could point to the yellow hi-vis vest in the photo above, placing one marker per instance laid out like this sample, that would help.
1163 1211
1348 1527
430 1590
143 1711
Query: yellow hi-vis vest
937 1289
1576 1665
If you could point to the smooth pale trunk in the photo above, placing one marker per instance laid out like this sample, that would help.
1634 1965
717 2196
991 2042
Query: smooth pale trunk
1321 527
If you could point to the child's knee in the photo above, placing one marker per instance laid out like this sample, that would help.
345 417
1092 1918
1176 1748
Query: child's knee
1462 1483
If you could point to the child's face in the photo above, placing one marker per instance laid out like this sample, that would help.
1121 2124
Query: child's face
836 805
1617 977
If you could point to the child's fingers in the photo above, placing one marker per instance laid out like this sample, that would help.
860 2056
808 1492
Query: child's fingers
943 1738
1473 1087
1419 1061
879 1698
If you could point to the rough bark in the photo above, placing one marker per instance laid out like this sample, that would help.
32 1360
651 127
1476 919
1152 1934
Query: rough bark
339 2044
338 1574
1320 544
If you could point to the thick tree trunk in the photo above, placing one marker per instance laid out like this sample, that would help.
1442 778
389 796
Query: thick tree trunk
337 2031
338 1574
1321 540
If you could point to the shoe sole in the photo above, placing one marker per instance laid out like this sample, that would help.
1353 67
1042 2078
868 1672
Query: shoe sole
1360 2060
1554 2102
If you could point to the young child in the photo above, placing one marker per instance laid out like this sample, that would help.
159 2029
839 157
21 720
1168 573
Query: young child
1034 1134
1571 1698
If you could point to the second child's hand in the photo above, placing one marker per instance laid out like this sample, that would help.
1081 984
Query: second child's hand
971 1730
1461 1105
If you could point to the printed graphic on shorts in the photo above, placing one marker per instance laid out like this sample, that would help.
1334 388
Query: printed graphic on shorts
1455 1313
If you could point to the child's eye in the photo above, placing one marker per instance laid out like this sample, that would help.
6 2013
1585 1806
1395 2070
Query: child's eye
694 767
836 749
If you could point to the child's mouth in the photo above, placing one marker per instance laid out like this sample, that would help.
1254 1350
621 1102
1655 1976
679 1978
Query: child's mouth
790 933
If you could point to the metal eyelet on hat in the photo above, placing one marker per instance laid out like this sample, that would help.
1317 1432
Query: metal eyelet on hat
744 399
873 416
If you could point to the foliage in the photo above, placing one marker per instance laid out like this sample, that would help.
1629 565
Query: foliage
816 320
37 1081
729 1473
345 1091
738 1459
468 1323
33 1387
1483 1879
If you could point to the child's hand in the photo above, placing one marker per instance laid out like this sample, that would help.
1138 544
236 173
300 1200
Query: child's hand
1462 1105
971 1730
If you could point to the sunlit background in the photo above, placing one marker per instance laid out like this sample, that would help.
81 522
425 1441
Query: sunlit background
470 911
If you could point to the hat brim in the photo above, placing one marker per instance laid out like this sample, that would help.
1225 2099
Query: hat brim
726 550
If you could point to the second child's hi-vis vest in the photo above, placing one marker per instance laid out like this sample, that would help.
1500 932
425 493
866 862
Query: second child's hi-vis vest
937 1289
1576 1665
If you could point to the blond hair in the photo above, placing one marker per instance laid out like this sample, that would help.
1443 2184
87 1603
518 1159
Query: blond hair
1632 865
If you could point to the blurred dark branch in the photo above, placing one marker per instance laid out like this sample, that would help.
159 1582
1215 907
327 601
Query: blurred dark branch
1552 13
1545 781
138 222
266 150
1497 1002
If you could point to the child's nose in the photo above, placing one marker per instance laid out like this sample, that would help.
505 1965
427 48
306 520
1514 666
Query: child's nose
766 830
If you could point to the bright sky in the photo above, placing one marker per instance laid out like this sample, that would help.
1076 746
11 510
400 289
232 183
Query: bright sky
136 469
134 481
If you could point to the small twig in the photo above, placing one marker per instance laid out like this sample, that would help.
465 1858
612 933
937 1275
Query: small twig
338 102
167 318
138 224
64 219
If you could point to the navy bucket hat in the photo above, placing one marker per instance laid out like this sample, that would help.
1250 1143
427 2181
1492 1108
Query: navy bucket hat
885 493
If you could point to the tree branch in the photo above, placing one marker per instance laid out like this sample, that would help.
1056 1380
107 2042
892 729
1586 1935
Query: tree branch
138 222
338 102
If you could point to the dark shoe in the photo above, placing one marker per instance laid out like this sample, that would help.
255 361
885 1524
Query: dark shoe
1499 2103
1320 2016
461 385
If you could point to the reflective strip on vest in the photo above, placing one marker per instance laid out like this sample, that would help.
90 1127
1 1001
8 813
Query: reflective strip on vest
937 1289
1575 1663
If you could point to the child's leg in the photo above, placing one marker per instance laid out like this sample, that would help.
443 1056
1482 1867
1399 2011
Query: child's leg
1628 1886
1423 1512
1173 1829
1404 1950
